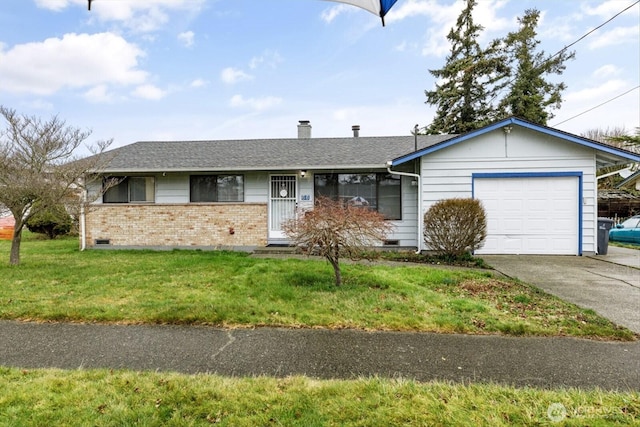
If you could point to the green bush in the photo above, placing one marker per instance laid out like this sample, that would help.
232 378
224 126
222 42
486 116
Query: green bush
51 221
455 227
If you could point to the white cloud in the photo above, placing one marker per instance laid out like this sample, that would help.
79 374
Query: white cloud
99 94
232 76
259 104
40 104
198 83
331 13
607 9
149 91
345 114
616 36
186 38
55 5
401 47
596 94
74 61
443 16
269 58
606 71
137 15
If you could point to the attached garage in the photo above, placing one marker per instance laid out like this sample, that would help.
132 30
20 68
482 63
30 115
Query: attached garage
538 185
530 213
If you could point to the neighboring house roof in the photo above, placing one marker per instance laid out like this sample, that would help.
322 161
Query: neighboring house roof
264 154
629 180
606 155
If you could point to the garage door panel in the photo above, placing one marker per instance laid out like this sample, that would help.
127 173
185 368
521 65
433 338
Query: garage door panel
537 205
511 225
537 226
511 245
491 244
530 215
560 226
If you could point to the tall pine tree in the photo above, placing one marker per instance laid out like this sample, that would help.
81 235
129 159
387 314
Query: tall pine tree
530 95
467 80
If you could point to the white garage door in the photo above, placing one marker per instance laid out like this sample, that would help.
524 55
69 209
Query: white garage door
532 215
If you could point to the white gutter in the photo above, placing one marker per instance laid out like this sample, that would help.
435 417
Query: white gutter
420 215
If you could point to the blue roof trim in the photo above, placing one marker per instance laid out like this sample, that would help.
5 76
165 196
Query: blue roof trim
524 174
525 124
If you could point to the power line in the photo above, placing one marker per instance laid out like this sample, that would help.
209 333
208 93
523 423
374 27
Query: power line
595 29
597 106
571 44
584 36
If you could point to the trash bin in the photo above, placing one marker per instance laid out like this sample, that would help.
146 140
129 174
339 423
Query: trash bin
604 225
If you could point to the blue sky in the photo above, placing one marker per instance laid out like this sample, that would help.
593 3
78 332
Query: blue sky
239 69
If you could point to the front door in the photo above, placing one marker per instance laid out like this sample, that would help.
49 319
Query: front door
282 203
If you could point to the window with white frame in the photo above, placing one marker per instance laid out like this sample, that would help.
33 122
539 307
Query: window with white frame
129 189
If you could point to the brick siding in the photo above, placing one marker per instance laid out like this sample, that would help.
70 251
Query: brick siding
178 225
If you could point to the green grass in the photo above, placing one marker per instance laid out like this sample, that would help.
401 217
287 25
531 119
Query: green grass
56 282
123 398
625 245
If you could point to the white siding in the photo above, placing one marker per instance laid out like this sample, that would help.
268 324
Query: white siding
406 230
172 189
448 173
256 187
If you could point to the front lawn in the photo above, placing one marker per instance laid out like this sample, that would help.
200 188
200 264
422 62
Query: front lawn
56 282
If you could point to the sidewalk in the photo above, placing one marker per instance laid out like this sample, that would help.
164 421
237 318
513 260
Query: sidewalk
535 362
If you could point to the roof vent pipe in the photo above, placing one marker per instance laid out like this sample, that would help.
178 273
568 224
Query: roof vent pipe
356 130
304 129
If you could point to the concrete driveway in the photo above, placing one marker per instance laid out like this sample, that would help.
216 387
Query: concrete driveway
608 284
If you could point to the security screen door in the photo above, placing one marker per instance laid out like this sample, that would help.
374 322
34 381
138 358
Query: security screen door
282 203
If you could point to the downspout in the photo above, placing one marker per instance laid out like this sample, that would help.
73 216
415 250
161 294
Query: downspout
83 232
420 216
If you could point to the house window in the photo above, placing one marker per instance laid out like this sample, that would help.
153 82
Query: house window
131 189
216 188
377 191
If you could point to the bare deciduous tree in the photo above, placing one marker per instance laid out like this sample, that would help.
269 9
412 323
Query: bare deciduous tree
335 230
38 166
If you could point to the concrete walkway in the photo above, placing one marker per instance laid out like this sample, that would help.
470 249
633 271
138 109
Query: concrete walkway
608 284
535 362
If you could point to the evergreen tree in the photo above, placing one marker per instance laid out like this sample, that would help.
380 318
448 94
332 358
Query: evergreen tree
530 95
467 80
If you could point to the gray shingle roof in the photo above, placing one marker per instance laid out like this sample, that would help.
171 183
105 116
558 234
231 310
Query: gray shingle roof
265 154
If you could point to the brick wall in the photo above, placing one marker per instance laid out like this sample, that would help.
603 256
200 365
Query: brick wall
223 224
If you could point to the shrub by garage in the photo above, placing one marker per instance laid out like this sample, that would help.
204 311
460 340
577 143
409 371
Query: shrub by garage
455 227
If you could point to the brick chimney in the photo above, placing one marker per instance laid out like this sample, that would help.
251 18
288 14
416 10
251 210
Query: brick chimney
356 130
304 129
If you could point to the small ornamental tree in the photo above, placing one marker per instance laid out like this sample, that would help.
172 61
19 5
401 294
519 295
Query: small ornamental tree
335 230
454 227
